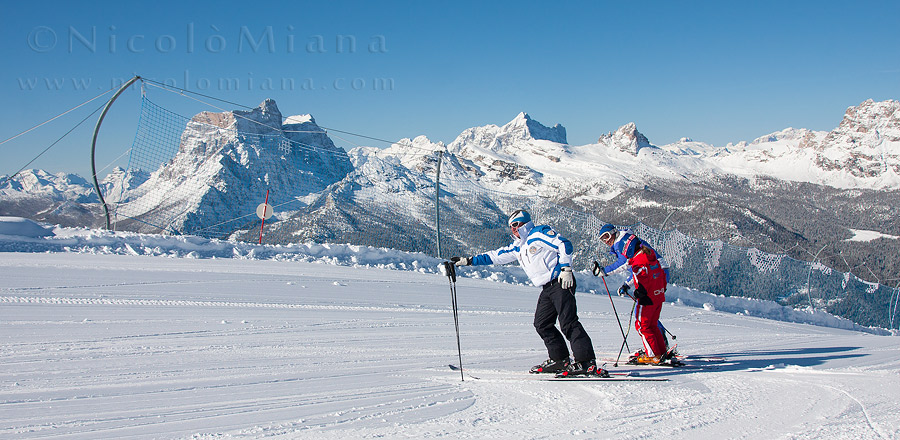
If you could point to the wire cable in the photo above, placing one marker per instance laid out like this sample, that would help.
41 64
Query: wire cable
309 147
57 116
114 160
166 86
10 177
326 129
278 129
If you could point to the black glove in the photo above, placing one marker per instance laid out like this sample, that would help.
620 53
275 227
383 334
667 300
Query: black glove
461 261
598 270
623 291
640 294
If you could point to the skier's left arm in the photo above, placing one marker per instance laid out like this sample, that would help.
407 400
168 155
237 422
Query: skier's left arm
630 283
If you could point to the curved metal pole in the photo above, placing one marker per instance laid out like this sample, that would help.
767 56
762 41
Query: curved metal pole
94 145
437 204
664 222
809 276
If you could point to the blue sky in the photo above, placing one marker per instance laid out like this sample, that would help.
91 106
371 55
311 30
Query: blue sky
717 72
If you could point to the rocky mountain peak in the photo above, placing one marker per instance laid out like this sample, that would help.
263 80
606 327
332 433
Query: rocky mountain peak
525 128
627 139
871 122
264 119
57 186
511 138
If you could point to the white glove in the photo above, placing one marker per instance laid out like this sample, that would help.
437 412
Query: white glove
566 278
461 261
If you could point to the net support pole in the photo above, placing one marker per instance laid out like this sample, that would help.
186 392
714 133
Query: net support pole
263 223
891 307
437 201
94 146
809 277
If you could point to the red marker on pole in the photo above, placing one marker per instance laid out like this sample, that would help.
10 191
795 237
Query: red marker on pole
264 211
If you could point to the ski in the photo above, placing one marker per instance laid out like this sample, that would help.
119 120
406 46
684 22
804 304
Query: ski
672 363
455 368
614 373
700 358
606 379
615 376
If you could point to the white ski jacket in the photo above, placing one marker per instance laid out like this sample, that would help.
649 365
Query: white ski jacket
541 252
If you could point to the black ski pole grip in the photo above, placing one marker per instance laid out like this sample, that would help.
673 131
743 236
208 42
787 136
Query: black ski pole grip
451 270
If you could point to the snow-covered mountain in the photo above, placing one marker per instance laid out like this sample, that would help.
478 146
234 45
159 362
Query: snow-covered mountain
752 194
58 186
862 152
219 149
780 191
226 163
119 182
60 198
791 191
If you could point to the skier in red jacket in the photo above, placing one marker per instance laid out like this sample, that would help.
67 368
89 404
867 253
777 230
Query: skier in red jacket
648 277
650 292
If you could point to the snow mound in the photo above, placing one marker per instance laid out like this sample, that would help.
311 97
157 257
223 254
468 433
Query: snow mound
101 242
22 227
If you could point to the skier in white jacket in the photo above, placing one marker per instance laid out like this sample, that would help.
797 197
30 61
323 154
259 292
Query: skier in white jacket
546 257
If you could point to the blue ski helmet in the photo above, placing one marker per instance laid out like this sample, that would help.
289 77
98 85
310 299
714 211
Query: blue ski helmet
521 216
608 228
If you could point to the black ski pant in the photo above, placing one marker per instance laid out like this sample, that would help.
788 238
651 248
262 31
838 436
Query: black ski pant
558 303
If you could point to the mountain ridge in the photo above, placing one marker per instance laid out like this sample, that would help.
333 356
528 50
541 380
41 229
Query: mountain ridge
227 161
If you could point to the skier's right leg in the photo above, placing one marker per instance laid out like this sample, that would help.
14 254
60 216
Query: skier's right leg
545 316
564 300
646 318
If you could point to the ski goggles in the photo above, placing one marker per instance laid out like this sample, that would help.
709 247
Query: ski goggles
515 225
604 237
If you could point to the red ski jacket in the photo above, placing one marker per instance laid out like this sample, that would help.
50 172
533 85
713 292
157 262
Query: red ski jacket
649 273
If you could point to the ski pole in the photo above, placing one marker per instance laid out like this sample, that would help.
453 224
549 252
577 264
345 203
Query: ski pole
624 338
616 364
670 333
450 268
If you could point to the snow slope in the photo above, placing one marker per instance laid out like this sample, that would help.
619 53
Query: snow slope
139 336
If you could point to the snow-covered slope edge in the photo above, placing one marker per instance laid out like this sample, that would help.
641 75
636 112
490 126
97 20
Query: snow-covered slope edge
19 237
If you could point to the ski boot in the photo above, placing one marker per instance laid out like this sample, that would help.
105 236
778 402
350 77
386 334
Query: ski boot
583 369
670 354
635 356
640 357
551 366
643 359
671 357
